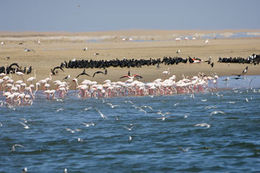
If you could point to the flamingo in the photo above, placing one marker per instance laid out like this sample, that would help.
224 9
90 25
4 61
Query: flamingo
178 39
20 74
166 72
31 79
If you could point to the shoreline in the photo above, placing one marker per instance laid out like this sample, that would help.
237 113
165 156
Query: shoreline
50 53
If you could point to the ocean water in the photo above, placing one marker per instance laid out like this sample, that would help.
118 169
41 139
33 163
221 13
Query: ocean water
128 134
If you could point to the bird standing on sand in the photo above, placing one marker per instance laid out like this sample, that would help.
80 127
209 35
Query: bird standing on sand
166 72
28 50
209 60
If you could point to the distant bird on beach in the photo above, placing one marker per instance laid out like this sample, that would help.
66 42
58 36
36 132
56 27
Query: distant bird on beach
29 70
67 77
178 51
28 50
85 49
131 76
166 72
83 73
206 41
54 70
212 64
245 70
209 60
178 39
98 72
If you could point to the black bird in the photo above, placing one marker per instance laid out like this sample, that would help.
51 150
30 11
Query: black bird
237 78
212 64
14 64
53 71
97 72
83 73
29 70
243 72
67 77
158 65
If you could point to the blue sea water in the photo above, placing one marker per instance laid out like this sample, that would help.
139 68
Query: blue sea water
133 137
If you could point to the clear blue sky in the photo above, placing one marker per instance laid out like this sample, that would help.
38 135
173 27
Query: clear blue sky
102 15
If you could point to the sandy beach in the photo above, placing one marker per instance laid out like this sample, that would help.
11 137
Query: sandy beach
55 48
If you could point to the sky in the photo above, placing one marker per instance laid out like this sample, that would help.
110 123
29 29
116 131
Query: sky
105 15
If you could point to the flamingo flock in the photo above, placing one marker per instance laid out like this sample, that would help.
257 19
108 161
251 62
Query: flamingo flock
23 92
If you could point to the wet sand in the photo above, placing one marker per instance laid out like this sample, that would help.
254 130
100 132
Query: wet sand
55 48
